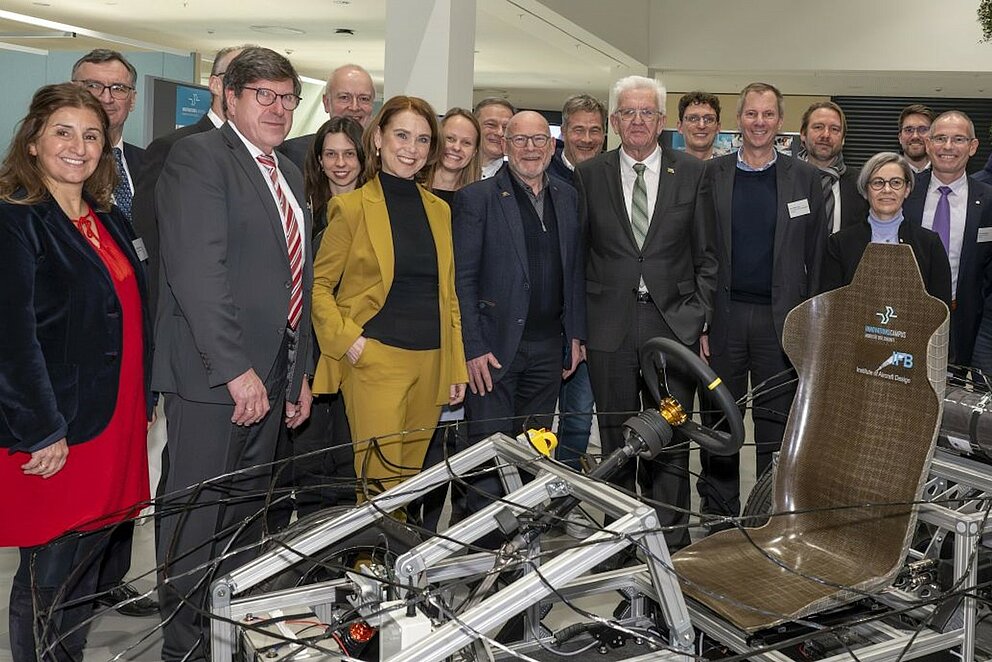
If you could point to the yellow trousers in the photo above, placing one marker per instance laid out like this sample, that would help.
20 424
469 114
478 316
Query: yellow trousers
389 396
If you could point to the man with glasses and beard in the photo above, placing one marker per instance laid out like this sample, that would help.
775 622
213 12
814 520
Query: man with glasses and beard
914 126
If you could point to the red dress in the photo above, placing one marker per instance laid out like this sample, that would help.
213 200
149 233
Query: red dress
105 479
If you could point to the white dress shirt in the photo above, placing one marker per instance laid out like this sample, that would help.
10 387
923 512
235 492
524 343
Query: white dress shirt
958 200
652 174
127 171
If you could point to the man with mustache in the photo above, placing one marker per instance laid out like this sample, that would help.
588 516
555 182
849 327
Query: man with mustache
823 128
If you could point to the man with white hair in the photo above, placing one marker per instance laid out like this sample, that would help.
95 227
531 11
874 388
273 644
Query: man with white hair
650 271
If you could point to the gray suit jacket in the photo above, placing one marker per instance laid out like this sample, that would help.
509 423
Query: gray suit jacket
225 286
677 261
799 239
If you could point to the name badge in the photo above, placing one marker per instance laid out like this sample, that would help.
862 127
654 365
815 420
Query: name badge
798 208
139 248
984 234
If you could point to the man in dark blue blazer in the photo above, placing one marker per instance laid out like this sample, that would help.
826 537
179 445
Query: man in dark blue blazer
518 273
771 230
950 143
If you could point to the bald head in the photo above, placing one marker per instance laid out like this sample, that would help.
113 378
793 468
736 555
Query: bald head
527 159
350 93
216 81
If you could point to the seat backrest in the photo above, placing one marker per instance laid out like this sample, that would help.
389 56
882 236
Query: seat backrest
871 358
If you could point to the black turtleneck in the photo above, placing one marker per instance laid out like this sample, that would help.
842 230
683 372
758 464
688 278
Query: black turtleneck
410 316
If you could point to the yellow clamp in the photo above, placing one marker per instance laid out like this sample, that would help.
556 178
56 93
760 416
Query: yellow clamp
712 385
543 440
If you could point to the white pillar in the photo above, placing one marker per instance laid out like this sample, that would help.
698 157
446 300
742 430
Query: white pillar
430 51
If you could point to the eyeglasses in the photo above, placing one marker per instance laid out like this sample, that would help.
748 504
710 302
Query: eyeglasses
705 120
118 91
266 97
957 141
877 183
346 99
219 74
646 114
539 140
918 130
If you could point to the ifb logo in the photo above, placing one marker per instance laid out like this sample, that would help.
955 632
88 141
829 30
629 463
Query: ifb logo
897 359
890 313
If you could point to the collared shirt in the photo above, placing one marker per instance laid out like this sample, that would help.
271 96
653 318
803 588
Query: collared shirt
491 168
564 159
835 190
216 119
958 201
744 165
536 199
297 210
127 171
918 170
652 174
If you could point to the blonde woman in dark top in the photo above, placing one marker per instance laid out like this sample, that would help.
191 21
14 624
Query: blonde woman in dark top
459 163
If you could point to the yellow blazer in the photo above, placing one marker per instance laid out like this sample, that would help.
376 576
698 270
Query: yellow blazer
353 272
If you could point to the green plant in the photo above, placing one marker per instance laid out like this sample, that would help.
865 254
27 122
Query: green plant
985 19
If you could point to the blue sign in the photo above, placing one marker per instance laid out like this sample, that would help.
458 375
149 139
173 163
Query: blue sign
192 103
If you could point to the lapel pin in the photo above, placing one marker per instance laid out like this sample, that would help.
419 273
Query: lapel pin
505 194
671 171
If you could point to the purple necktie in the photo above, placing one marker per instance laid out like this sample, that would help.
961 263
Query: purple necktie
942 218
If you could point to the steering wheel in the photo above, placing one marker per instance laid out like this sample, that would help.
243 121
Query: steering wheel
654 357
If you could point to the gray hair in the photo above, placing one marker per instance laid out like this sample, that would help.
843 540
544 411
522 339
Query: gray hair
582 103
761 88
637 83
880 160
955 113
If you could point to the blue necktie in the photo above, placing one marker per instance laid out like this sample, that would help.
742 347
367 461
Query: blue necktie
942 218
122 192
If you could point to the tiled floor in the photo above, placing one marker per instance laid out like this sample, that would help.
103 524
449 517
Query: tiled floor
113 635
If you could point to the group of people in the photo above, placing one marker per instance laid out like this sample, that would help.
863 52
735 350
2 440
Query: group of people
391 271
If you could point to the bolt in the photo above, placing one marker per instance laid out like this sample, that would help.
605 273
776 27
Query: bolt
221 592
408 568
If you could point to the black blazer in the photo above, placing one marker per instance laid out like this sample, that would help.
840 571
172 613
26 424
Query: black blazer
678 260
845 248
853 206
60 327
143 215
974 291
799 241
491 271
296 150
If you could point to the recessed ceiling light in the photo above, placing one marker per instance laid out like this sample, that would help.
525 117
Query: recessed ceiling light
342 2
347 31
280 30
42 4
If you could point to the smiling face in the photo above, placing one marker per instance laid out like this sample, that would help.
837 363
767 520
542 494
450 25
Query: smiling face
760 120
583 136
886 203
529 161
493 119
265 127
460 141
950 144
339 161
68 148
111 72
912 136
638 134
699 127
404 144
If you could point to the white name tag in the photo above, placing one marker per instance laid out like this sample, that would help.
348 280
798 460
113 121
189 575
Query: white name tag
798 208
984 234
139 248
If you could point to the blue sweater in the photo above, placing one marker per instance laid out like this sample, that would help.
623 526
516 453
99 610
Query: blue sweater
753 235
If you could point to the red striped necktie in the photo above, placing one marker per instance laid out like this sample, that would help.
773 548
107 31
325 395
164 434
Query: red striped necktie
294 242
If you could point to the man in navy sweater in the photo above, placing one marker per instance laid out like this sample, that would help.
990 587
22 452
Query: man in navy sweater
770 233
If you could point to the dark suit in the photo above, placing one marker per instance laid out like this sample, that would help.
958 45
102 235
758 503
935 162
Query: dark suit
845 248
745 338
296 149
853 206
224 300
143 215
678 265
492 278
974 284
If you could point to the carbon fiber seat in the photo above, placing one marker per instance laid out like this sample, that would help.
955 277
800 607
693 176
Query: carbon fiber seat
871 359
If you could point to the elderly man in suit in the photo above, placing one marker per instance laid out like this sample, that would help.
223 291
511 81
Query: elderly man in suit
144 218
650 271
959 209
770 233
518 274
232 335
349 92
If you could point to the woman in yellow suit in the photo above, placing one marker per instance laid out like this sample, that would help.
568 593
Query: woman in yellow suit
384 304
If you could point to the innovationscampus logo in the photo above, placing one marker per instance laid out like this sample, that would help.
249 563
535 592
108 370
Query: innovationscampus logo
882 331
